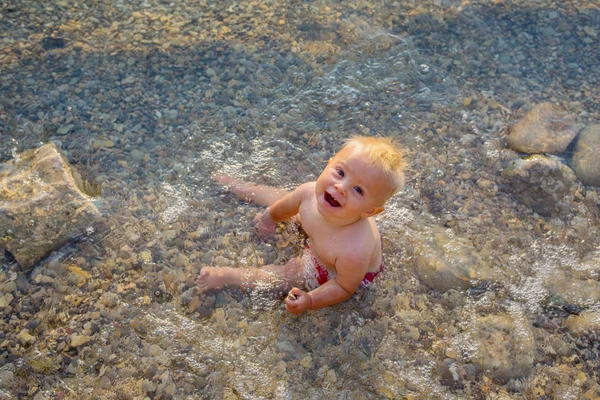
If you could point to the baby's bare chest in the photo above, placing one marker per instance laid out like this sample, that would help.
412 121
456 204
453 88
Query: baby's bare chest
328 243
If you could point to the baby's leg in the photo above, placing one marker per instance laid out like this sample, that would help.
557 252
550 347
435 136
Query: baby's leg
269 276
260 194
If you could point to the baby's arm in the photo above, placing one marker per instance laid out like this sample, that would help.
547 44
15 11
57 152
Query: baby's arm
289 205
262 195
350 273
281 210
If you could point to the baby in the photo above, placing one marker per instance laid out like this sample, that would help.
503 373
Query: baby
344 247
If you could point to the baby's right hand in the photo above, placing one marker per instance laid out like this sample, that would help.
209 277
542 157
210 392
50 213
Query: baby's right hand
298 301
265 225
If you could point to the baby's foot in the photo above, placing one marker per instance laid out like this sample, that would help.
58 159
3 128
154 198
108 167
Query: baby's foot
211 278
225 180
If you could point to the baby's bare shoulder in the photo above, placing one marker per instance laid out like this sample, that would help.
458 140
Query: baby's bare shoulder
358 243
305 190
353 260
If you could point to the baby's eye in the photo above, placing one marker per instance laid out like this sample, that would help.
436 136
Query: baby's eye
358 190
340 172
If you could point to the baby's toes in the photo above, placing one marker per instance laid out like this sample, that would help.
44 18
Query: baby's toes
202 276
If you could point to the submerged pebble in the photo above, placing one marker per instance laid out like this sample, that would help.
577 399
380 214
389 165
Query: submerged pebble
585 156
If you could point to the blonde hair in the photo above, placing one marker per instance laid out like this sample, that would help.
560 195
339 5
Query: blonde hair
385 154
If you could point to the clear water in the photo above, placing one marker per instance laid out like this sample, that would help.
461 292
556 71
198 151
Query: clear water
147 99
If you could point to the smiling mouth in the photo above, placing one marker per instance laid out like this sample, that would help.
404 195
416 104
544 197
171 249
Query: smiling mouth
331 201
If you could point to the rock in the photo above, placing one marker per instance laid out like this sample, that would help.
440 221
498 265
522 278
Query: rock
6 377
453 374
547 128
585 161
306 362
571 290
181 261
222 261
8 287
539 182
444 261
331 376
147 386
591 31
74 368
155 350
109 299
63 130
585 323
22 283
5 300
287 349
25 337
42 204
280 368
78 340
137 155
489 187
505 347
51 43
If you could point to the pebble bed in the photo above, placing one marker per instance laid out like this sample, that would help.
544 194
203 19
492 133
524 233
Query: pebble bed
147 99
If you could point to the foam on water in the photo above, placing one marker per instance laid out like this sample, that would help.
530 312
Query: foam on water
178 203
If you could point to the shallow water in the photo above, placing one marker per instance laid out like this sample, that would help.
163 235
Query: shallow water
147 100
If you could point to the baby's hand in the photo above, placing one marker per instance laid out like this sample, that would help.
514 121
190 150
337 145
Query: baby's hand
298 301
265 225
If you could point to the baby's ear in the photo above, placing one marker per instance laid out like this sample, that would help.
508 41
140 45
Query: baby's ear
372 212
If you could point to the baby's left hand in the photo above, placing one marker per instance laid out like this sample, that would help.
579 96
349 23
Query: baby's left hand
297 301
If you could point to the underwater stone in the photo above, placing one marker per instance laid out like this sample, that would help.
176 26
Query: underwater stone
51 43
506 347
586 162
42 205
547 128
79 340
539 182
25 337
454 374
445 261
288 349
584 324
569 289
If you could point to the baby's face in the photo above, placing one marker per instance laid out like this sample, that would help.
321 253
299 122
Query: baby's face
350 187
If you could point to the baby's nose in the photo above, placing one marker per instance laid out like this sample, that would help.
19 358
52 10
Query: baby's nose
341 189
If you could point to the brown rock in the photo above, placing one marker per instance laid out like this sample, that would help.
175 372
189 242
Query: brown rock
547 128
25 337
586 162
42 204
584 324
78 340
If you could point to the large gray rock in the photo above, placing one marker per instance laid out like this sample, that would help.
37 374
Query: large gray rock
42 205
547 128
444 261
586 161
539 182
505 346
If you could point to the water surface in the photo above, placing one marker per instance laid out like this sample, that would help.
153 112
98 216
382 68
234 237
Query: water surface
148 99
